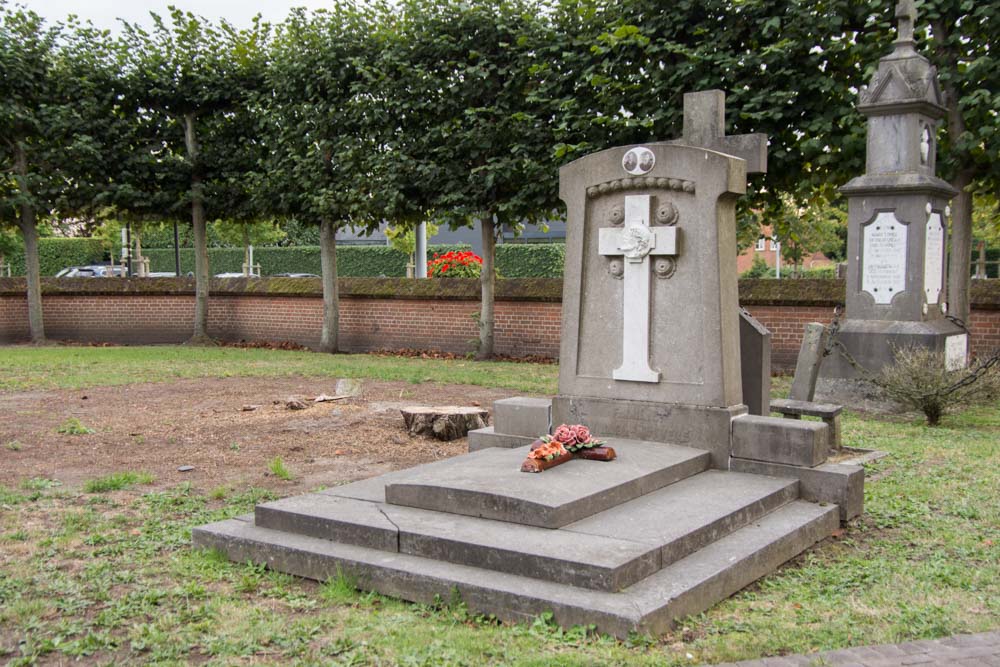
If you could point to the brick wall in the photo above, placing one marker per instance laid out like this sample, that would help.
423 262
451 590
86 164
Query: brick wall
525 325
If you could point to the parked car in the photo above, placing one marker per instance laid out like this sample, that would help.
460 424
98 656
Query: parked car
91 271
234 274
295 275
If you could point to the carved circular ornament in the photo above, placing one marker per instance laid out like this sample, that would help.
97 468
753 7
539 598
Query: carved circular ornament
616 215
666 214
636 242
617 269
638 161
664 267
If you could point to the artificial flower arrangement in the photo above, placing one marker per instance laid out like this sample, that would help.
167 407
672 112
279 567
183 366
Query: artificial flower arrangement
565 443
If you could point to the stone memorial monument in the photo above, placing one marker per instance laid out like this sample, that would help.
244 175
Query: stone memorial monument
701 499
897 225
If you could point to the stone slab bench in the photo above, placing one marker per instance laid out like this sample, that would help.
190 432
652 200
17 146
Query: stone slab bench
828 412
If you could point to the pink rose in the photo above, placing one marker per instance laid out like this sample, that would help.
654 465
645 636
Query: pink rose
565 435
581 433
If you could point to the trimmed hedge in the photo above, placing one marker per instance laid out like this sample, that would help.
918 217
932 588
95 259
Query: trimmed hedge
352 261
56 253
541 260
531 260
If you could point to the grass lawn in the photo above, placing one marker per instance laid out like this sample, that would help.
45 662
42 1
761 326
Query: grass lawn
105 573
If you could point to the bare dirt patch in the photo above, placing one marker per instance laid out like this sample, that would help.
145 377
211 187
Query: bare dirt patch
159 427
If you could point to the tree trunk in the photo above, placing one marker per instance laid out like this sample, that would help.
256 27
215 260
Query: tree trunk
980 265
247 268
960 260
331 301
201 271
27 222
487 280
29 231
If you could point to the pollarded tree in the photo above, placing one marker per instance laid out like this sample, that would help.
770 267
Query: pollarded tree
185 81
27 52
52 105
322 127
474 133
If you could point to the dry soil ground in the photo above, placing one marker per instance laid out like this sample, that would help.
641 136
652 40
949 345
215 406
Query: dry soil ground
160 427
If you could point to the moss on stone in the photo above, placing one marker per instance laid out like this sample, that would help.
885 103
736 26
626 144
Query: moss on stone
805 292
757 292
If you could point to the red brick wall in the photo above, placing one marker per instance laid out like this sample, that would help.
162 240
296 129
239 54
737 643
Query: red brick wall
522 327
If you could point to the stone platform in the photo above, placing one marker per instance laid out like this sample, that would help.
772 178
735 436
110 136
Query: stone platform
627 545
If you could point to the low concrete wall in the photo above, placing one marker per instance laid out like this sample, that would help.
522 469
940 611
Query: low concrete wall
392 313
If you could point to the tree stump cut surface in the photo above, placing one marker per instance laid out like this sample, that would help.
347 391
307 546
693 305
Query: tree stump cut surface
448 422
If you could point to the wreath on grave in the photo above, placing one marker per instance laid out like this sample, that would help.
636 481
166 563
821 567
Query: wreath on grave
565 443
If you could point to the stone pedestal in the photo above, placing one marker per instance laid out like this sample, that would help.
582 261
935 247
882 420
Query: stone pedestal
898 220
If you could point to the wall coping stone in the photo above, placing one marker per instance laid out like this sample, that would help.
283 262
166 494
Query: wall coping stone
753 292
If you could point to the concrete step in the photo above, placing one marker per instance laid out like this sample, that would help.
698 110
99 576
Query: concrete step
608 551
489 484
688 586
588 561
681 518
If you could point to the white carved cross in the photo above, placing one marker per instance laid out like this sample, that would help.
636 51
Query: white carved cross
635 242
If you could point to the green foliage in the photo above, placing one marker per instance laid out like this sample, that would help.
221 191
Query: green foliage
759 269
404 238
56 253
279 469
531 260
117 482
803 228
74 426
352 261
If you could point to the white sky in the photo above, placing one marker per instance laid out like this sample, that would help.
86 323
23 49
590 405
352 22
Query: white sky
104 13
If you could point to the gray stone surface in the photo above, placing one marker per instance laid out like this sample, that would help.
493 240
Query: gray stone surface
834 483
688 425
527 417
693 304
491 485
871 343
585 561
484 438
343 520
688 515
755 363
777 440
688 586
788 406
807 366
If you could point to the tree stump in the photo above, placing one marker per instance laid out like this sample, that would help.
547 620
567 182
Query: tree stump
448 422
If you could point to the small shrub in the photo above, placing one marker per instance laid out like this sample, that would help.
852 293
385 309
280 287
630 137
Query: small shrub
72 426
280 470
918 379
759 269
117 482
13 446
465 264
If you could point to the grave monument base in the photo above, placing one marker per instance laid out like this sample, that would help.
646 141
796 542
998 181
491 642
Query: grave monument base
872 344
632 545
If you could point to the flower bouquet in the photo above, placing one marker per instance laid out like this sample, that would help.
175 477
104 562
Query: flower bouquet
565 443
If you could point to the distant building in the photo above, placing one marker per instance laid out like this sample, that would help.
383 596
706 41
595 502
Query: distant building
767 248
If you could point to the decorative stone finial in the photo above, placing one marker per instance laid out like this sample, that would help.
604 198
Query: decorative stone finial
906 12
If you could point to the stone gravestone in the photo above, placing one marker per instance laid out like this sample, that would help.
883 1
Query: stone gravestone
897 220
702 499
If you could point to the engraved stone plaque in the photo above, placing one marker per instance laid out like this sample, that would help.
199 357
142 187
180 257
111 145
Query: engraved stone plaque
934 258
956 352
883 267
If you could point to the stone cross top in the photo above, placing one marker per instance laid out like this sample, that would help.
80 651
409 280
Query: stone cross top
906 12
705 127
